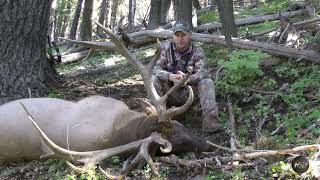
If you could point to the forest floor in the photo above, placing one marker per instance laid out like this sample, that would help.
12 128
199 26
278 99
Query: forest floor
122 82
276 104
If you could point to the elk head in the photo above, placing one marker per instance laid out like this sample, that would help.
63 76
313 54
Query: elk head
163 117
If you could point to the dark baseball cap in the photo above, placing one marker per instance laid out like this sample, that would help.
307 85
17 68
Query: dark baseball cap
181 26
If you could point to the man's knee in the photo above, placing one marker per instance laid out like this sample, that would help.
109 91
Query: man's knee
206 84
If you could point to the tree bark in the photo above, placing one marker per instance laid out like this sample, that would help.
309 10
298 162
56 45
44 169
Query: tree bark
225 8
66 19
102 15
75 22
114 12
165 6
23 62
183 11
132 12
196 4
106 22
59 14
86 25
155 13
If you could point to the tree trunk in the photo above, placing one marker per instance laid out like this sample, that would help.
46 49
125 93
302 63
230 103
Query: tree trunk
61 5
132 12
86 25
23 62
155 13
213 2
114 12
225 8
102 15
51 23
75 22
106 22
165 6
183 11
196 4
66 19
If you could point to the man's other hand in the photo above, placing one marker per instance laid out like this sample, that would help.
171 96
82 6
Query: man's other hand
175 77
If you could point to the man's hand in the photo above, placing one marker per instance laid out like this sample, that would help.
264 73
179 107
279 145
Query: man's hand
176 78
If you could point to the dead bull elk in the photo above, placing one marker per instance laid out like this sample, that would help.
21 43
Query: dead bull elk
92 124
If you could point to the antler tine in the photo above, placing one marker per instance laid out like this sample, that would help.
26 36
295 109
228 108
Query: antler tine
146 73
123 50
173 111
167 114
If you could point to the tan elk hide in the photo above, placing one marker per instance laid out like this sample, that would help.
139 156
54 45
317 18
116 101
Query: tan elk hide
93 123
89 124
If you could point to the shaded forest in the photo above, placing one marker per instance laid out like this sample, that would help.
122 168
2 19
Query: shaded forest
263 57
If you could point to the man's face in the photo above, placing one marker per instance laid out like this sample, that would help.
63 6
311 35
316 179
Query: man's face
181 40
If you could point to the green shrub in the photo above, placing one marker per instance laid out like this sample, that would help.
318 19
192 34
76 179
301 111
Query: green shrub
240 70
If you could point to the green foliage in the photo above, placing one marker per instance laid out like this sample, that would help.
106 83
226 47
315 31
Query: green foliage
115 160
215 174
243 30
57 169
237 175
284 170
209 17
269 84
91 174
240 70
55 94
274 6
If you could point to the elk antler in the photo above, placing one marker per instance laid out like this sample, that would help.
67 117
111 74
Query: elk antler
94 157
146 74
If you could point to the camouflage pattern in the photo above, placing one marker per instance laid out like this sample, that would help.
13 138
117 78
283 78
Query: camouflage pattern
204 88
164 65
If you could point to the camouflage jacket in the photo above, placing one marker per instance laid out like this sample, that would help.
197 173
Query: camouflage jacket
194 56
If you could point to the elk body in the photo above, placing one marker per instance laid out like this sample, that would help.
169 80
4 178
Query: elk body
94 123
89 124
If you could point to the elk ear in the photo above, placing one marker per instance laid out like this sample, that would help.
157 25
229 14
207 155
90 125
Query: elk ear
148 108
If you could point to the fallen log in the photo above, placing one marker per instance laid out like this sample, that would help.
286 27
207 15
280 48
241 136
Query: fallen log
147 36
74 57
250 20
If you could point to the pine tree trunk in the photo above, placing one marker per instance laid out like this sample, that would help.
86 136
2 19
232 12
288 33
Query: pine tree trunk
154 16
66 19
86 25
75 22
196 4
106 22
132 12
23 37
183 11
225 8
165 6
114 12
102 15
59 18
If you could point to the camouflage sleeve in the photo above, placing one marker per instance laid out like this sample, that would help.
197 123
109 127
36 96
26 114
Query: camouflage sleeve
199 67
160 67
